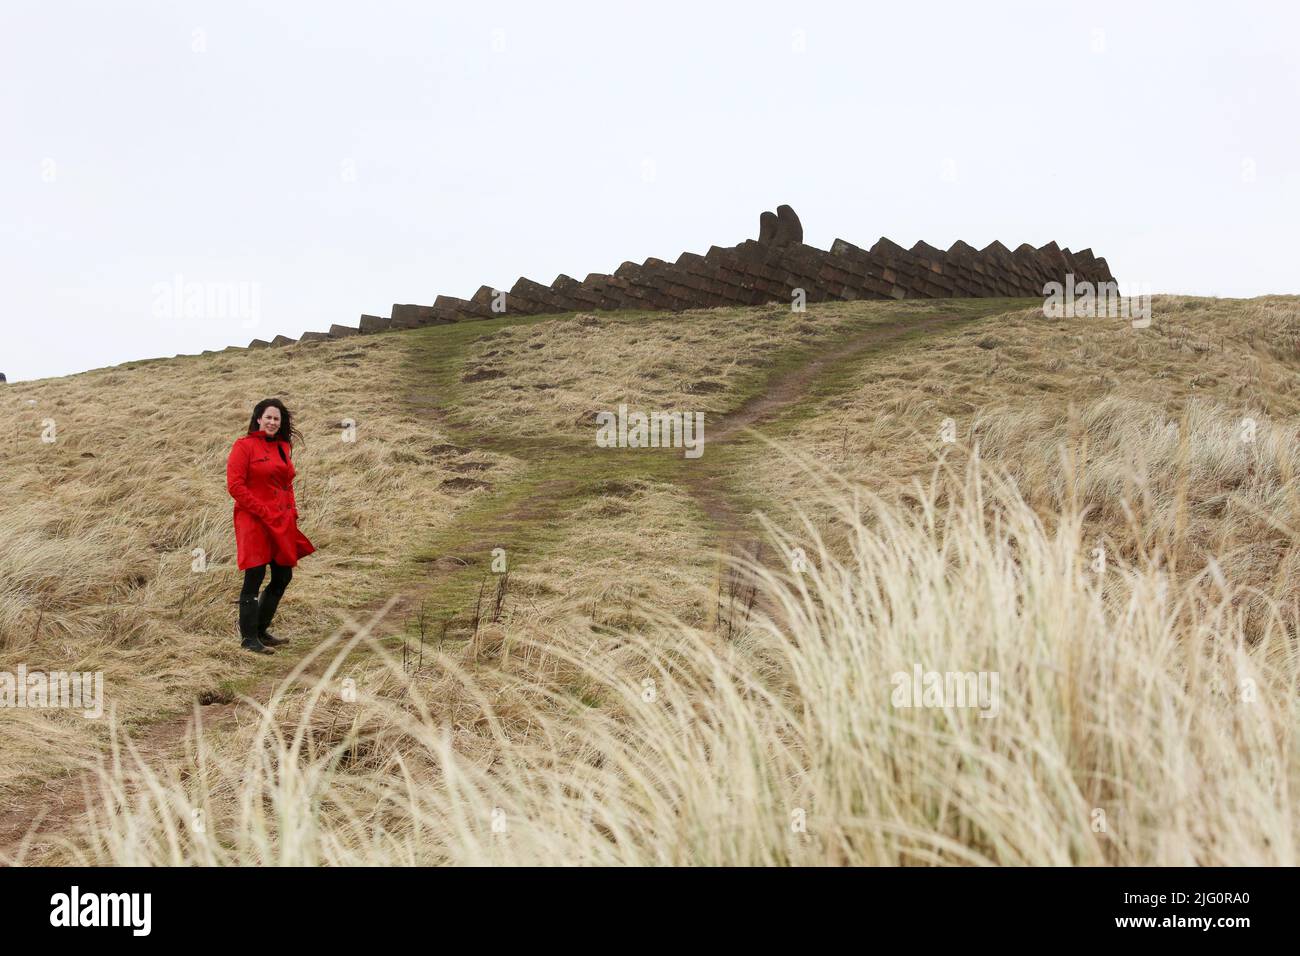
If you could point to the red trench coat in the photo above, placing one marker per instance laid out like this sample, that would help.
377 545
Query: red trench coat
259 476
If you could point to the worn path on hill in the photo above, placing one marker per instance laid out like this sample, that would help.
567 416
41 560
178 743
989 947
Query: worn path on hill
739 537
28 826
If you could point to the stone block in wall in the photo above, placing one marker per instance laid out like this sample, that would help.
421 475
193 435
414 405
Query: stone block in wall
800 265
998 261
598 284
833 275
1056 264
661 290
342 331
855 255
1073 265
725 276
908 271
660 285
740 282
749 249
958 272
417 316
538 297
1086 259
998 267
693 276
375 323
484 298
932 258
570 289
512 301
865 268
940 286
887 247
1032 264
996 250
1085 264
454 309
850 260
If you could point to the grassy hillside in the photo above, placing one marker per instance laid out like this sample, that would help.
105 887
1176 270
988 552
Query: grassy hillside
653 681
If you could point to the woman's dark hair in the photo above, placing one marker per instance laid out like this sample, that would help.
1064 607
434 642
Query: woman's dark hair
287 432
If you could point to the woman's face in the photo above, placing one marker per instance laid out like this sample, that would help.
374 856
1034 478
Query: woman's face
270 420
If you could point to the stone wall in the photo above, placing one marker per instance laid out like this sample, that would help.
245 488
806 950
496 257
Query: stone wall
767 269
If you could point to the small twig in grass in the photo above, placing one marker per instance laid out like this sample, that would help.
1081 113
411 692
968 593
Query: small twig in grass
422 622
478 616
503 586
753 581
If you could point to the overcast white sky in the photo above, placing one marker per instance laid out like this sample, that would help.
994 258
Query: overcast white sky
333 158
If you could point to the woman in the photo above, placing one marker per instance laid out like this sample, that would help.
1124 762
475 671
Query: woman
259 476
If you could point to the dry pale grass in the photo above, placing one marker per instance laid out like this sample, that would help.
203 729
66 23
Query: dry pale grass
100 526
619 562
1178 440
1170 741
640 544
1161 692
553 376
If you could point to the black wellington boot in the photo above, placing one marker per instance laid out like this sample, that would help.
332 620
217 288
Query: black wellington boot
266 606
248 627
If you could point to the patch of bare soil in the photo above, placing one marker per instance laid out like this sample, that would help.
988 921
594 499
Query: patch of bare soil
464 484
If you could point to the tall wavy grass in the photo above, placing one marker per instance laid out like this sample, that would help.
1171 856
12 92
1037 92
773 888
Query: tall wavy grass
1136 724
